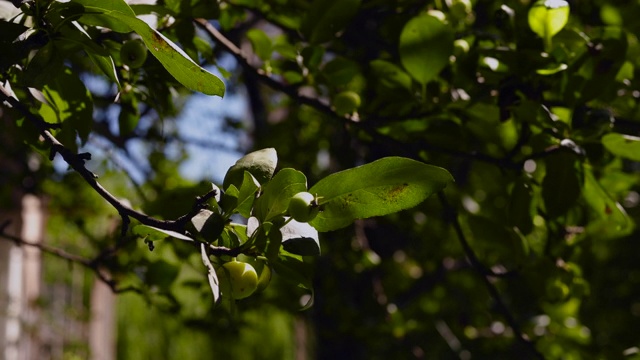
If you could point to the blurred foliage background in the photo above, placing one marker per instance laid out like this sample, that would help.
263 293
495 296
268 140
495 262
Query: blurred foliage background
533 107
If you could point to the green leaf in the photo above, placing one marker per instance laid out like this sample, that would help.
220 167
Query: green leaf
162 274
425 46
294 270
106 64
300 239
208 224
562 183
261 43
261 164
390 76
214 283
10 31
625 146
548 17
520 212
340 71
118 16
312 56
247 193
552 70
154 234
69 102
47 63
326 18
611 220
382 187
494 243
229 200
274 200
94 14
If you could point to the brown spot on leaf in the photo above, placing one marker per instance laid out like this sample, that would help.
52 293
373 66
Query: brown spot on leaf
396 191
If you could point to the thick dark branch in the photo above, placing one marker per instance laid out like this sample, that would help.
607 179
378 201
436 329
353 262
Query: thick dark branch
77 162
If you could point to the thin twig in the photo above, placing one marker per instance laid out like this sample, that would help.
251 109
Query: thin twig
61 254
452 217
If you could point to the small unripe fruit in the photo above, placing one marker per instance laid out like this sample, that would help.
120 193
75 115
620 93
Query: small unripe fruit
242 277
303 207
460 9
460 47
133 53
265 278
438 15
346 102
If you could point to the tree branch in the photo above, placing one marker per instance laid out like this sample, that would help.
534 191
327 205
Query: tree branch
77 163
90 264
368 125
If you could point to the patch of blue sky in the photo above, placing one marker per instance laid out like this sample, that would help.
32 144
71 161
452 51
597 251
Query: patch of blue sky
211 149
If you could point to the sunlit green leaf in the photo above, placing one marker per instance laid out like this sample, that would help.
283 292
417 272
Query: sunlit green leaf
118 16
69 103
625 146
548 17
261 43
261 164
155 234
382 187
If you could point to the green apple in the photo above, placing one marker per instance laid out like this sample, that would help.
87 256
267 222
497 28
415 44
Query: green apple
303 207
346 102
242 277
133 53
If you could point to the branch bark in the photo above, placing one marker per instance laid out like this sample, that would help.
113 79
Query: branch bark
77 163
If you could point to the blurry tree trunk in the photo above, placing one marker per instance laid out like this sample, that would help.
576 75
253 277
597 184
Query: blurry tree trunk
20 267
20 282
33 221
102 330
9 321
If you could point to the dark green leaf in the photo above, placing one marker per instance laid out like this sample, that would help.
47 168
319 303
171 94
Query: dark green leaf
300 239
562 183
208 224
520 211
161 274
340 71
326 18
425 46
293 270
390 76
